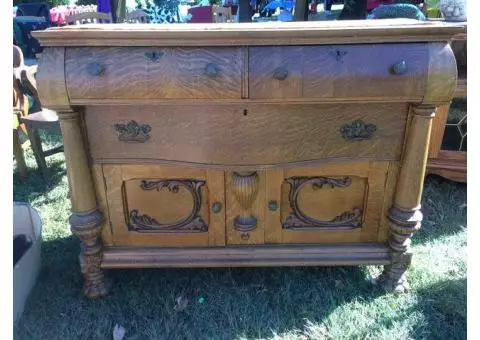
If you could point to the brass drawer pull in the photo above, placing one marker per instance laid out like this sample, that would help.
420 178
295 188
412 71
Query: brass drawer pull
211 70
154 56
358 130
217 207
133 132
280 73
95 69
400 68
245 236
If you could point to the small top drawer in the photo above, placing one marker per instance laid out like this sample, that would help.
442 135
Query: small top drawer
394 71
154 73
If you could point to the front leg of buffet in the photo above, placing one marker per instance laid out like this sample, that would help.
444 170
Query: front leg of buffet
86 220
405 215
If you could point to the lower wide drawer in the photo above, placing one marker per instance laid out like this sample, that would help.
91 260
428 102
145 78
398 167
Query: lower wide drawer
246 134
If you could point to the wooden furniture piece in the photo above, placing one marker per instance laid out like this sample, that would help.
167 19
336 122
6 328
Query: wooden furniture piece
89 18
448 144
275 144
34 118
20 108
138 16
41 119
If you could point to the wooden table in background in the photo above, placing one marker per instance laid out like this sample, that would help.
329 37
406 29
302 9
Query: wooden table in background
450 164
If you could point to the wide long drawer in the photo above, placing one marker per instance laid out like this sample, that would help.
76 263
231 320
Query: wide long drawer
381 71
246 134
154 73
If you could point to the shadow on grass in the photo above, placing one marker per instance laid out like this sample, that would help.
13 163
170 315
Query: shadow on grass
444 209
36 183
223 303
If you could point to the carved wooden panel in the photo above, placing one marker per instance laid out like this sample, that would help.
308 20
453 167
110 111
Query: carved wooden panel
148 73
339 71
326 204
247 134
165 206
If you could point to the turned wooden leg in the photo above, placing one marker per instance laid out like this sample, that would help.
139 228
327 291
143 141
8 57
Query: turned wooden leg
19 157
36 145
405 216
86 220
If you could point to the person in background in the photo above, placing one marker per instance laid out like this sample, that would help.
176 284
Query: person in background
327 7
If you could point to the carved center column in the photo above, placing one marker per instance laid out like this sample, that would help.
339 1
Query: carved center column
86 220
405 216
245 189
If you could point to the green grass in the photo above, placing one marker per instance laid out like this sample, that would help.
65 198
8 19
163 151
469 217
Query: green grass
257 303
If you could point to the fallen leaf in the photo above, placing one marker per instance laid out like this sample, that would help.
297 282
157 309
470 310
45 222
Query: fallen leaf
118 332
181 304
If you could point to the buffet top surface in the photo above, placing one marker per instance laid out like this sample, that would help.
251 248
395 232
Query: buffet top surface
292 33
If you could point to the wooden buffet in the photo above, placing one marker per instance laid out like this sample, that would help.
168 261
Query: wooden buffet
273 144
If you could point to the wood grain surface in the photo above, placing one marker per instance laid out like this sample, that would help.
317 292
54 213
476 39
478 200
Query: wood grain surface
366 192
244 256
338 71
240 34
247 135
50 79
177 73
442 74
123 194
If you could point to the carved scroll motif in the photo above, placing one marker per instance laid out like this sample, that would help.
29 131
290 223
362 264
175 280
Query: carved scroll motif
192 223
298 219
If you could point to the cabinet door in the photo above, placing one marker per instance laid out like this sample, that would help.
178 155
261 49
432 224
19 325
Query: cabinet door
326 204
151 205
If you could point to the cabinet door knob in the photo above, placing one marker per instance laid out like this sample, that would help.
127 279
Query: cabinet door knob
273 205
216 207
95 69
400 68
280 73
211 70
245 236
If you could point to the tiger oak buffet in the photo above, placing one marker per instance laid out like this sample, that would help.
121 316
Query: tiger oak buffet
273 144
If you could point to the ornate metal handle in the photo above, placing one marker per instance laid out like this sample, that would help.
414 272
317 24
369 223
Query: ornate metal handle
95 69
211 70
357 130
217 207
133 132
154 56
280 73
400 68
